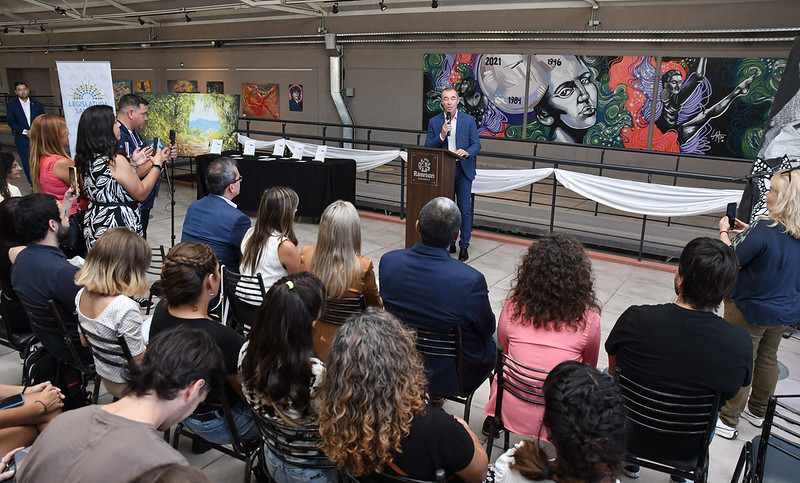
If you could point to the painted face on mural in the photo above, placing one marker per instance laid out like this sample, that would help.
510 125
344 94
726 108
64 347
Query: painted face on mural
571 96
672 82
450 101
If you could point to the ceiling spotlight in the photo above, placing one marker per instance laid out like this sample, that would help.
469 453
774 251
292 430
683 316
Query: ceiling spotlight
434 4
5 30
188 18
382 6
61 11
22 30
335 8
141 22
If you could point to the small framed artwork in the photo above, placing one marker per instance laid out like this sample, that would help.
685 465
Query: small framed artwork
215 87
296 97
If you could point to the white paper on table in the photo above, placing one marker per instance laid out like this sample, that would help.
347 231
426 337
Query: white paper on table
320 156
249 148
279 147
297 150
216 146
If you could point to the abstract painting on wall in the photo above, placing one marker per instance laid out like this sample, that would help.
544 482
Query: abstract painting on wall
182 86
215 87
260 100
296 97
121 87
142 86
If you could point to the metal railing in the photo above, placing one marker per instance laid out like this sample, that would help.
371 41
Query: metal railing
545 206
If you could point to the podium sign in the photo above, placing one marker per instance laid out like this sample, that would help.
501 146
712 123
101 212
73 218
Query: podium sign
430 173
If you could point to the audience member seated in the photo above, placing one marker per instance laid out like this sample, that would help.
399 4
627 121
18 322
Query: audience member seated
372 413
550 317
585 420
270 247
42 273
11 243
122 439
189 280
109 178
115 270
336 260
280 374
49 161
20 425
9 171
214 219
426 288
684 347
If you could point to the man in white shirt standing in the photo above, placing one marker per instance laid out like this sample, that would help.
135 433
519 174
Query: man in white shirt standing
20 114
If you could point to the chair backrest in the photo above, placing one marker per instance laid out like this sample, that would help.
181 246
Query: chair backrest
663 417
111 351
156 261
46 318
296 445
245 294
337 310
778 454
441 344
386 477
12 311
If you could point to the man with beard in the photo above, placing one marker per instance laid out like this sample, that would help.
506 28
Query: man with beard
42 272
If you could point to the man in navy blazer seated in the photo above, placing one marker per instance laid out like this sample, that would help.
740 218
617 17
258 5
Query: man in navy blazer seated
425 288
214 219
457 132
20 114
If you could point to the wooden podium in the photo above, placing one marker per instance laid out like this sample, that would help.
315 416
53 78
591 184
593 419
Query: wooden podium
431 173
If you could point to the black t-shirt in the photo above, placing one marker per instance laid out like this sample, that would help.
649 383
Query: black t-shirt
436 440
228 341
680 350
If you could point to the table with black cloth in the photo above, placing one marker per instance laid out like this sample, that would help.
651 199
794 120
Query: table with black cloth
318 184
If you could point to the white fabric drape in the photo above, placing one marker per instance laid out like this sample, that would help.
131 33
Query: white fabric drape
365 160
624 195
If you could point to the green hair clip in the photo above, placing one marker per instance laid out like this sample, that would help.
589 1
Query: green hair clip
290 284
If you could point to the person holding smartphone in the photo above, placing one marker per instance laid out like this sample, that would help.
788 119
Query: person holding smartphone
25 411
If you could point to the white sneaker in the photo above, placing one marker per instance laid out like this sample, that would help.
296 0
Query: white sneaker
725 431
752 418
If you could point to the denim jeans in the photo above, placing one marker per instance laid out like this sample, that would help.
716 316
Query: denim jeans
289 473
216 431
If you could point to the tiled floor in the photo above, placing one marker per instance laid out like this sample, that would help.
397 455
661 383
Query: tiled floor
619 283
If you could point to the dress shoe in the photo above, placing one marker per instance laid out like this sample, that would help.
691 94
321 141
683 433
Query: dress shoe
463 255
452 248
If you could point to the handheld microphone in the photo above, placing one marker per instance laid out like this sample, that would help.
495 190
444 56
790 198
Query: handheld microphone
447 116
172 137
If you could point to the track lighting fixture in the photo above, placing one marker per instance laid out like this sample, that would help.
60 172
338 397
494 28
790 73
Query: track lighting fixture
434 4
188 18
335 8
5 30
22 30
382 6
41 27
61 11
141 22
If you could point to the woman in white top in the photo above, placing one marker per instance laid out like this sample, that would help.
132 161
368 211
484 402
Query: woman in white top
9 169
585 420
270 247
115 270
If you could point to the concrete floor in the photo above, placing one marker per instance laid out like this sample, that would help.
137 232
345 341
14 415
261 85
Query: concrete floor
619 283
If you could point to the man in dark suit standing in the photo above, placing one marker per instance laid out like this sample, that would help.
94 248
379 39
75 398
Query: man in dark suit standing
214 219
425 288
20 114
457 132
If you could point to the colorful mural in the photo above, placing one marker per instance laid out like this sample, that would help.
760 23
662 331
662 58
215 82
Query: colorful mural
709 106
260 100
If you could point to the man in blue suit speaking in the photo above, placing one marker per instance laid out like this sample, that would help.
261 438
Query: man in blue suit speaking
20 115
457 132
214 219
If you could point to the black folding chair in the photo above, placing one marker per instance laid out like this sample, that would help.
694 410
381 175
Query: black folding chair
670 432
295 445
47 319
517 380
447 345
777 448
12 311
338 310
110 351
244 295
154 270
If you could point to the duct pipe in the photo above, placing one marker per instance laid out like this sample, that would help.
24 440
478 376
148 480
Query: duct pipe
338 98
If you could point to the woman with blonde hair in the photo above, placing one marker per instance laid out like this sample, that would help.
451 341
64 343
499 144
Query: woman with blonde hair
115 271
766 297
270 246
336 260
49 161
373 418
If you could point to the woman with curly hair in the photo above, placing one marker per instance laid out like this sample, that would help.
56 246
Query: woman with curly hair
585 420
551 316
336 259
280 374
373 418
9 171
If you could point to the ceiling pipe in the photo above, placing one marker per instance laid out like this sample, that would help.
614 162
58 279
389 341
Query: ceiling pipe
337 77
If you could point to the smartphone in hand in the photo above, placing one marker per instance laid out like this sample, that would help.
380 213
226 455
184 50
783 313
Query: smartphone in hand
73 179
731 212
